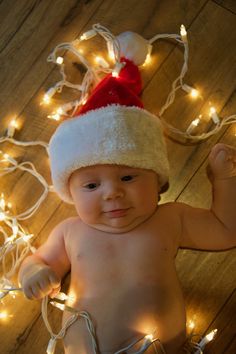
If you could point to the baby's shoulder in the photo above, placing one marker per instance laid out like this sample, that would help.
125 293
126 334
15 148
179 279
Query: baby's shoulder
66 225
170 212
170 208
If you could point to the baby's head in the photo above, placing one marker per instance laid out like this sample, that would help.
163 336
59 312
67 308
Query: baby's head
114 198
111 129
114 135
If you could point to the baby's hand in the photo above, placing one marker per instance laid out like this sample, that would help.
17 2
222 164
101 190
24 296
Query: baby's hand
39 281
222 162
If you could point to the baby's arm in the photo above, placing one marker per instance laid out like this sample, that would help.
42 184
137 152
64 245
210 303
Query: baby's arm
40 274
214 229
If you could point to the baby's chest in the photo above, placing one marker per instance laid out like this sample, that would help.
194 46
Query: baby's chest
120 259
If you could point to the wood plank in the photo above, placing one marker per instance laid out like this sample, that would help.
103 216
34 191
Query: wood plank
212 72
68 21
226 323
227 4
146 20
231 348
219 279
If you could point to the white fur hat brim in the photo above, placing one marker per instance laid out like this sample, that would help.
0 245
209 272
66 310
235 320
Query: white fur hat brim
115 134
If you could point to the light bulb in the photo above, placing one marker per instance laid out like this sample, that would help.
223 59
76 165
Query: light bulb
61 296
49 94
194 93
208 338
59 60
147 60
87 35
193 125
58 305
2 216
211 335
102 62
149 337
3 315
214 116
183 33
2 202
11 128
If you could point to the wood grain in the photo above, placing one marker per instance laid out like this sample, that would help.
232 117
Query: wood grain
29 30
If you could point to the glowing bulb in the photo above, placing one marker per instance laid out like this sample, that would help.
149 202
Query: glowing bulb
193 125
46 99
15 229
183 33
149 337
61 296
83 102
48 95
59 60
147 60
211 335
2 202
2 216
191 325
26 238
208 338
214 116
59 306
102 62
3 315
11 128
87 35
54 116
117 69
194 93
115 74
60 111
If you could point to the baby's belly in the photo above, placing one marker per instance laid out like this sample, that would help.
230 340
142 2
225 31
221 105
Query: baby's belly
121 314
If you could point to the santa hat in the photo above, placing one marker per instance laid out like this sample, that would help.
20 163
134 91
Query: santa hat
112 127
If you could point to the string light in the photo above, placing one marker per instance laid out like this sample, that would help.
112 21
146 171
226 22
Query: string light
102 62
192 91
59 60
208 338
11 128
87 35
193 125
147 60
214 115
117 69
183 33
48 95
3 315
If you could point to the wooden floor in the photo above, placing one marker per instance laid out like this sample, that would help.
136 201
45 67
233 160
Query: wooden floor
29 30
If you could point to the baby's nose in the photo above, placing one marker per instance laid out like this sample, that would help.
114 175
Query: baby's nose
113 191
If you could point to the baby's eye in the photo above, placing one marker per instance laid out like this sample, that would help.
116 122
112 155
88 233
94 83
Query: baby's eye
91 186
127 178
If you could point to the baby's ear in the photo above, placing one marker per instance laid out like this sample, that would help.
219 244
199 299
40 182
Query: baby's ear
164 188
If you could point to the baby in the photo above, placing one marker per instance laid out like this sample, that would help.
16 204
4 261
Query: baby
110 161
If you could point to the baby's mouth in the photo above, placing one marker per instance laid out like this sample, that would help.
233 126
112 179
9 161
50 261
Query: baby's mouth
117 213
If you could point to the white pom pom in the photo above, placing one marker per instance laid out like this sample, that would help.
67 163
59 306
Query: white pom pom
134 47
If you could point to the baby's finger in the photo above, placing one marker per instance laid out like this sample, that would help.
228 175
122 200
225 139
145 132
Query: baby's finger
37 292
55 281
54 292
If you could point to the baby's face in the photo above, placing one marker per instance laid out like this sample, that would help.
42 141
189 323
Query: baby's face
114 198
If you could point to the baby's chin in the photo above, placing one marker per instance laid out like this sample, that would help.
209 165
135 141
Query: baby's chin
116 227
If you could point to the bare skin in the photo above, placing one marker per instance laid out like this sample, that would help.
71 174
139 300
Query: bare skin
122 262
